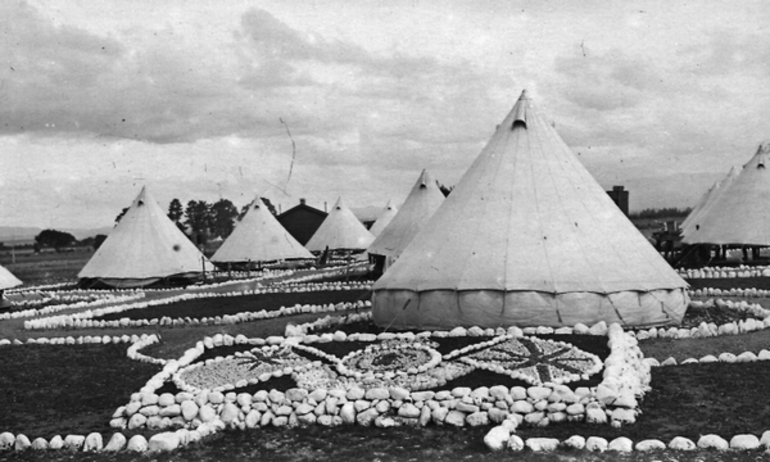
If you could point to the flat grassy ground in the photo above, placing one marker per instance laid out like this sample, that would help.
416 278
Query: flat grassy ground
45 390
46 268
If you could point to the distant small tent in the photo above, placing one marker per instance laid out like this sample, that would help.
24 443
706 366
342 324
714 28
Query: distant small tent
143 249
258 237
385 217
708 213
528 238
7 279
422 202
341 230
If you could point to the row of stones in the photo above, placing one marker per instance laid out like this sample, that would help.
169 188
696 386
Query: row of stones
537 406
94 442
745 357
502 437
137 343
711 329
82 304
748 292
723 273
84 319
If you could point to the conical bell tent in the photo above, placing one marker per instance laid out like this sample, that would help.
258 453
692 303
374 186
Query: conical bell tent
259 238
341 230
528 238
422 202
384 219
7 279
693 220
145 247
740 212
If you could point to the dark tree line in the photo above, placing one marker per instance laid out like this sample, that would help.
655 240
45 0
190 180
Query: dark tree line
202 220
661 213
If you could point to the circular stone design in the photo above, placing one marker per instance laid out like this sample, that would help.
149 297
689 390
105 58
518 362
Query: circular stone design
389 359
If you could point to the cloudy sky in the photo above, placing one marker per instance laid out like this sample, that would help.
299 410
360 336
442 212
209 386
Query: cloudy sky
194 98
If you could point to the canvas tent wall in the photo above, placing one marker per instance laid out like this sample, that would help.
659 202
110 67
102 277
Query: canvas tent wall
693 220
384 219
423 200
7 279
528 238
739 213
341 230
145 247
258 237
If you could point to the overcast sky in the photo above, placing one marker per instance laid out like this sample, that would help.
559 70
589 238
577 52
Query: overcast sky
98 98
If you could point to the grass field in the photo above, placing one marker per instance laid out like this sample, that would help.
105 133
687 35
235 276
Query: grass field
47 390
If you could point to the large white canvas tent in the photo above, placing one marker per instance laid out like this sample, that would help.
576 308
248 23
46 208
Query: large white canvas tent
144 248
385 217
738 213
7 279
693 220
341 230
528 238
422 202
258 237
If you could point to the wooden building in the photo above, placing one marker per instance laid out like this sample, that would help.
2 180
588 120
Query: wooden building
302 221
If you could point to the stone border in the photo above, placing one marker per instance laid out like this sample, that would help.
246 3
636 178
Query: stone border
725 272
85 319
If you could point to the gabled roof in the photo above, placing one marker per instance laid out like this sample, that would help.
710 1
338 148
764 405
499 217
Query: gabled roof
740 212
7 279
145 244
340 230
528 236
259 237
302 208
385 217
424 199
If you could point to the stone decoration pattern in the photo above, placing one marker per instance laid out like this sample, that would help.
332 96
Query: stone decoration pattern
85 319
625 377
71 301
497 438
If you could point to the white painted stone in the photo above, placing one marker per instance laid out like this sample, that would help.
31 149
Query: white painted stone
7 439
477 419
497 438
765 439
515 443
681 443
22 443
116 443
137 443
744 442
163 442
596 444
713 442
621 444
542 444
576 442
39 444
650 445
74 442
455 418
56 443
93 443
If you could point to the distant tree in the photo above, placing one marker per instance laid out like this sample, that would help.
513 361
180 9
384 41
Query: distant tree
197 219
445 190
222 217
269 205
243 211
93 241
175 210
665 212
55 239
120 215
